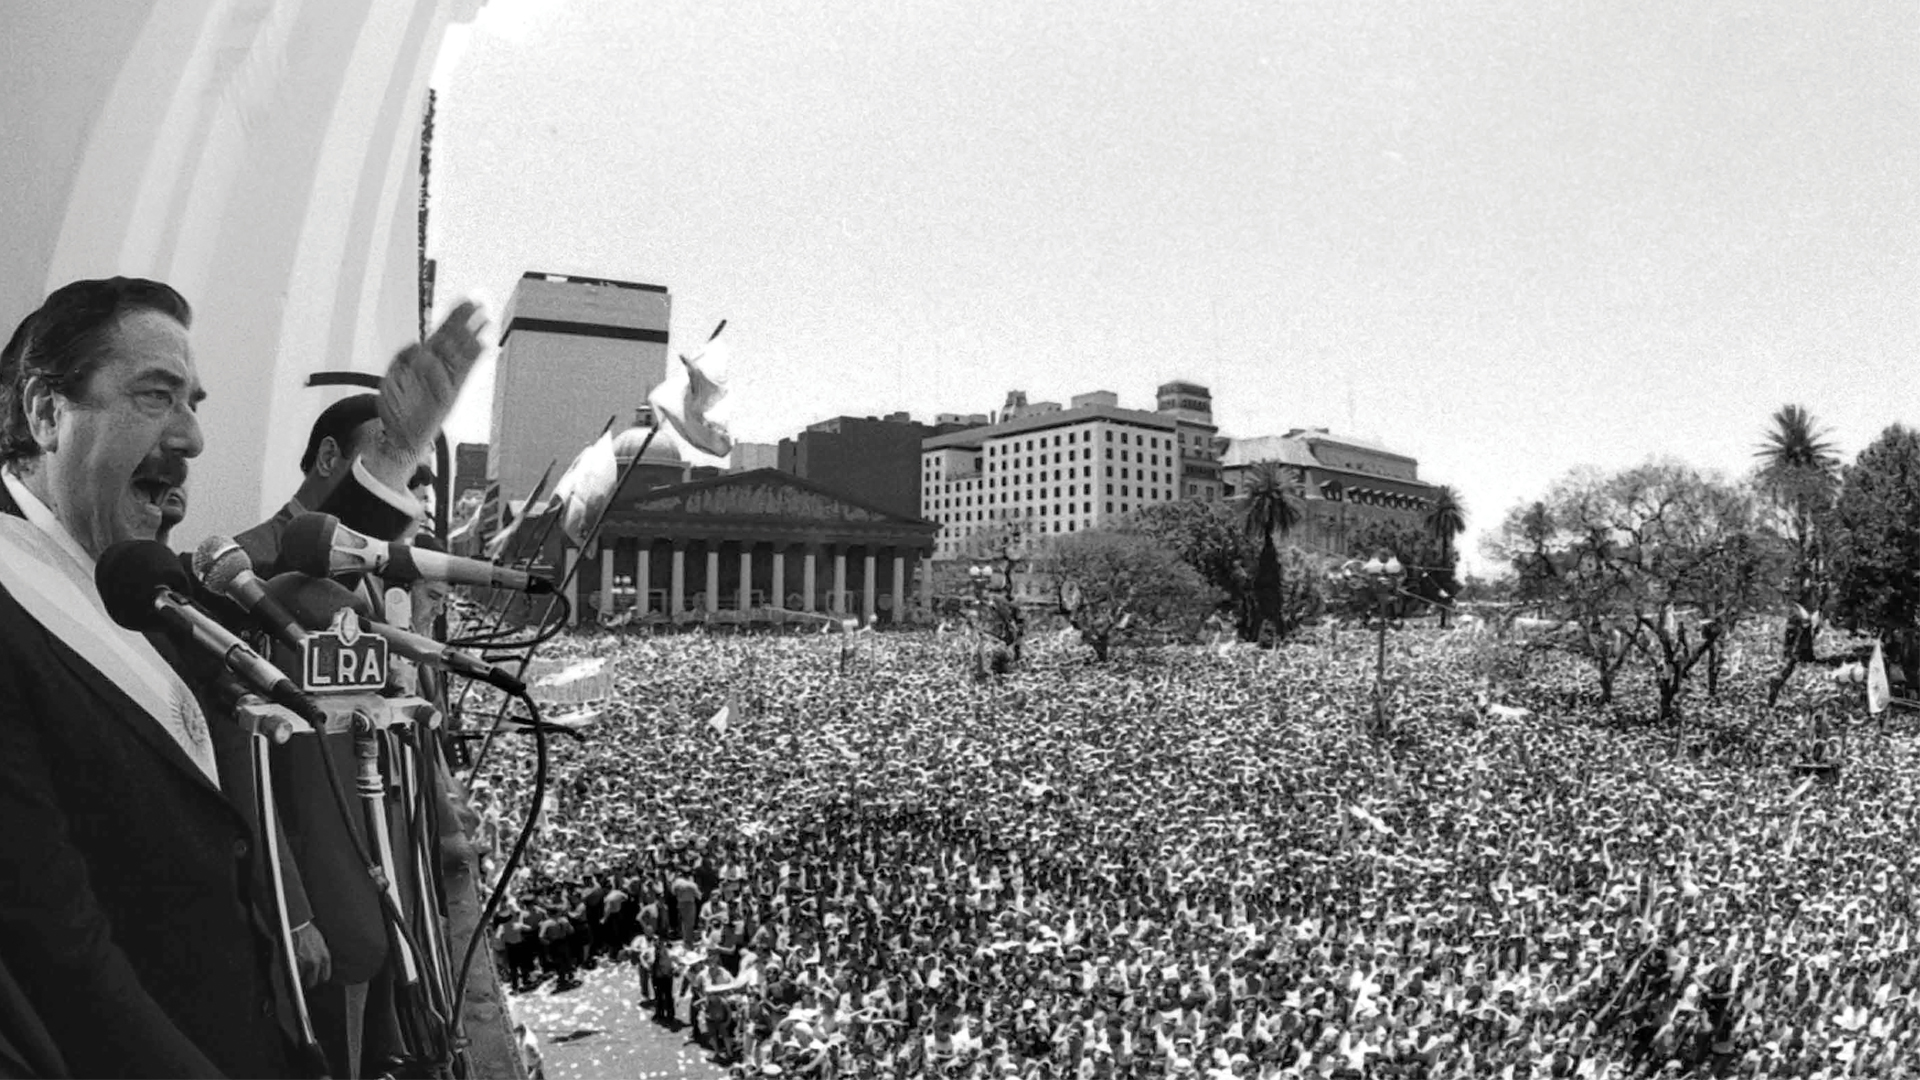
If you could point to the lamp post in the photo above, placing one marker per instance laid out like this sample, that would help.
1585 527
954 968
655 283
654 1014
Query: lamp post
1381 582
979 577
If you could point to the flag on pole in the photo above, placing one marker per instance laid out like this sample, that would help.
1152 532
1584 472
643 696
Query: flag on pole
502 541
1879 691
692 393
473 534
586 487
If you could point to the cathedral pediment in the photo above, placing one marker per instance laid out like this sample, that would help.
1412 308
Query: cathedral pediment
767 495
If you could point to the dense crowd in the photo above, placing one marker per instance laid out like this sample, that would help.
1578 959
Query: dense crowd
1197 862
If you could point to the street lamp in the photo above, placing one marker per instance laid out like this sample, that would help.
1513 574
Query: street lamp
1381 582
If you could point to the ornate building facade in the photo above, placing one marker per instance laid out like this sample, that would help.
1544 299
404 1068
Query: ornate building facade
758 546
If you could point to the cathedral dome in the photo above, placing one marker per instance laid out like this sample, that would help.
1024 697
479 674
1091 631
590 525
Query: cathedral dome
627 443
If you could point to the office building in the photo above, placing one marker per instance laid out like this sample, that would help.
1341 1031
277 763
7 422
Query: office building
1051 469
469 469
1347 483
875 460
747 457
1191 406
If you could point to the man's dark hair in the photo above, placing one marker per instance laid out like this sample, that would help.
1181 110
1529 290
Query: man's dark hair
339 421
65 341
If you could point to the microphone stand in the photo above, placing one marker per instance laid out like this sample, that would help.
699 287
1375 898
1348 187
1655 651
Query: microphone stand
267 724
426 1027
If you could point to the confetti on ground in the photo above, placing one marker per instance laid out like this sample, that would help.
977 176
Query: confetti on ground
597 1031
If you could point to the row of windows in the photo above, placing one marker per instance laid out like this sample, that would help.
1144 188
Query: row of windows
937 505
944 499
1069 438
938 490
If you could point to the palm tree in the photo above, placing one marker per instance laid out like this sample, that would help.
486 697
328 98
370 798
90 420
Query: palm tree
1800 474
1794 448
1273 506
1446 519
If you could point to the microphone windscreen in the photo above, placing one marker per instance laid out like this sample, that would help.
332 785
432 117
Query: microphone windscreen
218 569
312 601
306 545
130 572
207 553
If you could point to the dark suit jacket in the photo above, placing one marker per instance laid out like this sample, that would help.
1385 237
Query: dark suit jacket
126 913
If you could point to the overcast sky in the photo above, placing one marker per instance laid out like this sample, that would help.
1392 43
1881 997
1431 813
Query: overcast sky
1506 238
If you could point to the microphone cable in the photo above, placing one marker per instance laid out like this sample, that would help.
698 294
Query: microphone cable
480 756
442 1065
483 929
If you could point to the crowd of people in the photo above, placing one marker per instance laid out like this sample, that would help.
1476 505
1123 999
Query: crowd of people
1199 862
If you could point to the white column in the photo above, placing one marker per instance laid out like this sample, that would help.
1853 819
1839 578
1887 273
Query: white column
608 546
779 577
746 575
839 604
643 573
867 592
807 580
573 586
677 590
712 589
899 588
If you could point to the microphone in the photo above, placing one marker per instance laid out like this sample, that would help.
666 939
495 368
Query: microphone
319 546
142 583
224 568
314 600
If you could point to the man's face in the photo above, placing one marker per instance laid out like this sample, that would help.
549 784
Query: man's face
115 460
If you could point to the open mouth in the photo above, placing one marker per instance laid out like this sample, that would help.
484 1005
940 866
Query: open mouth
164 496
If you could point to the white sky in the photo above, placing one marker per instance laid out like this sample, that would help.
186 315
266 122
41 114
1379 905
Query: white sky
1506 238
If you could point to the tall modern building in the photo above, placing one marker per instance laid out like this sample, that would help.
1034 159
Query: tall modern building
1348 482
1056 470
573 352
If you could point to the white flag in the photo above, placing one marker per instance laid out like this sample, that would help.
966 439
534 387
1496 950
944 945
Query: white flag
584 491
718 721
1879 691
691 396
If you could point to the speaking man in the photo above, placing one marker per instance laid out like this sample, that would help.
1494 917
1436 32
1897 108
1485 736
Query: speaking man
127 910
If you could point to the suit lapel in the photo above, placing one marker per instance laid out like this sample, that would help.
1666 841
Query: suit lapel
117 703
